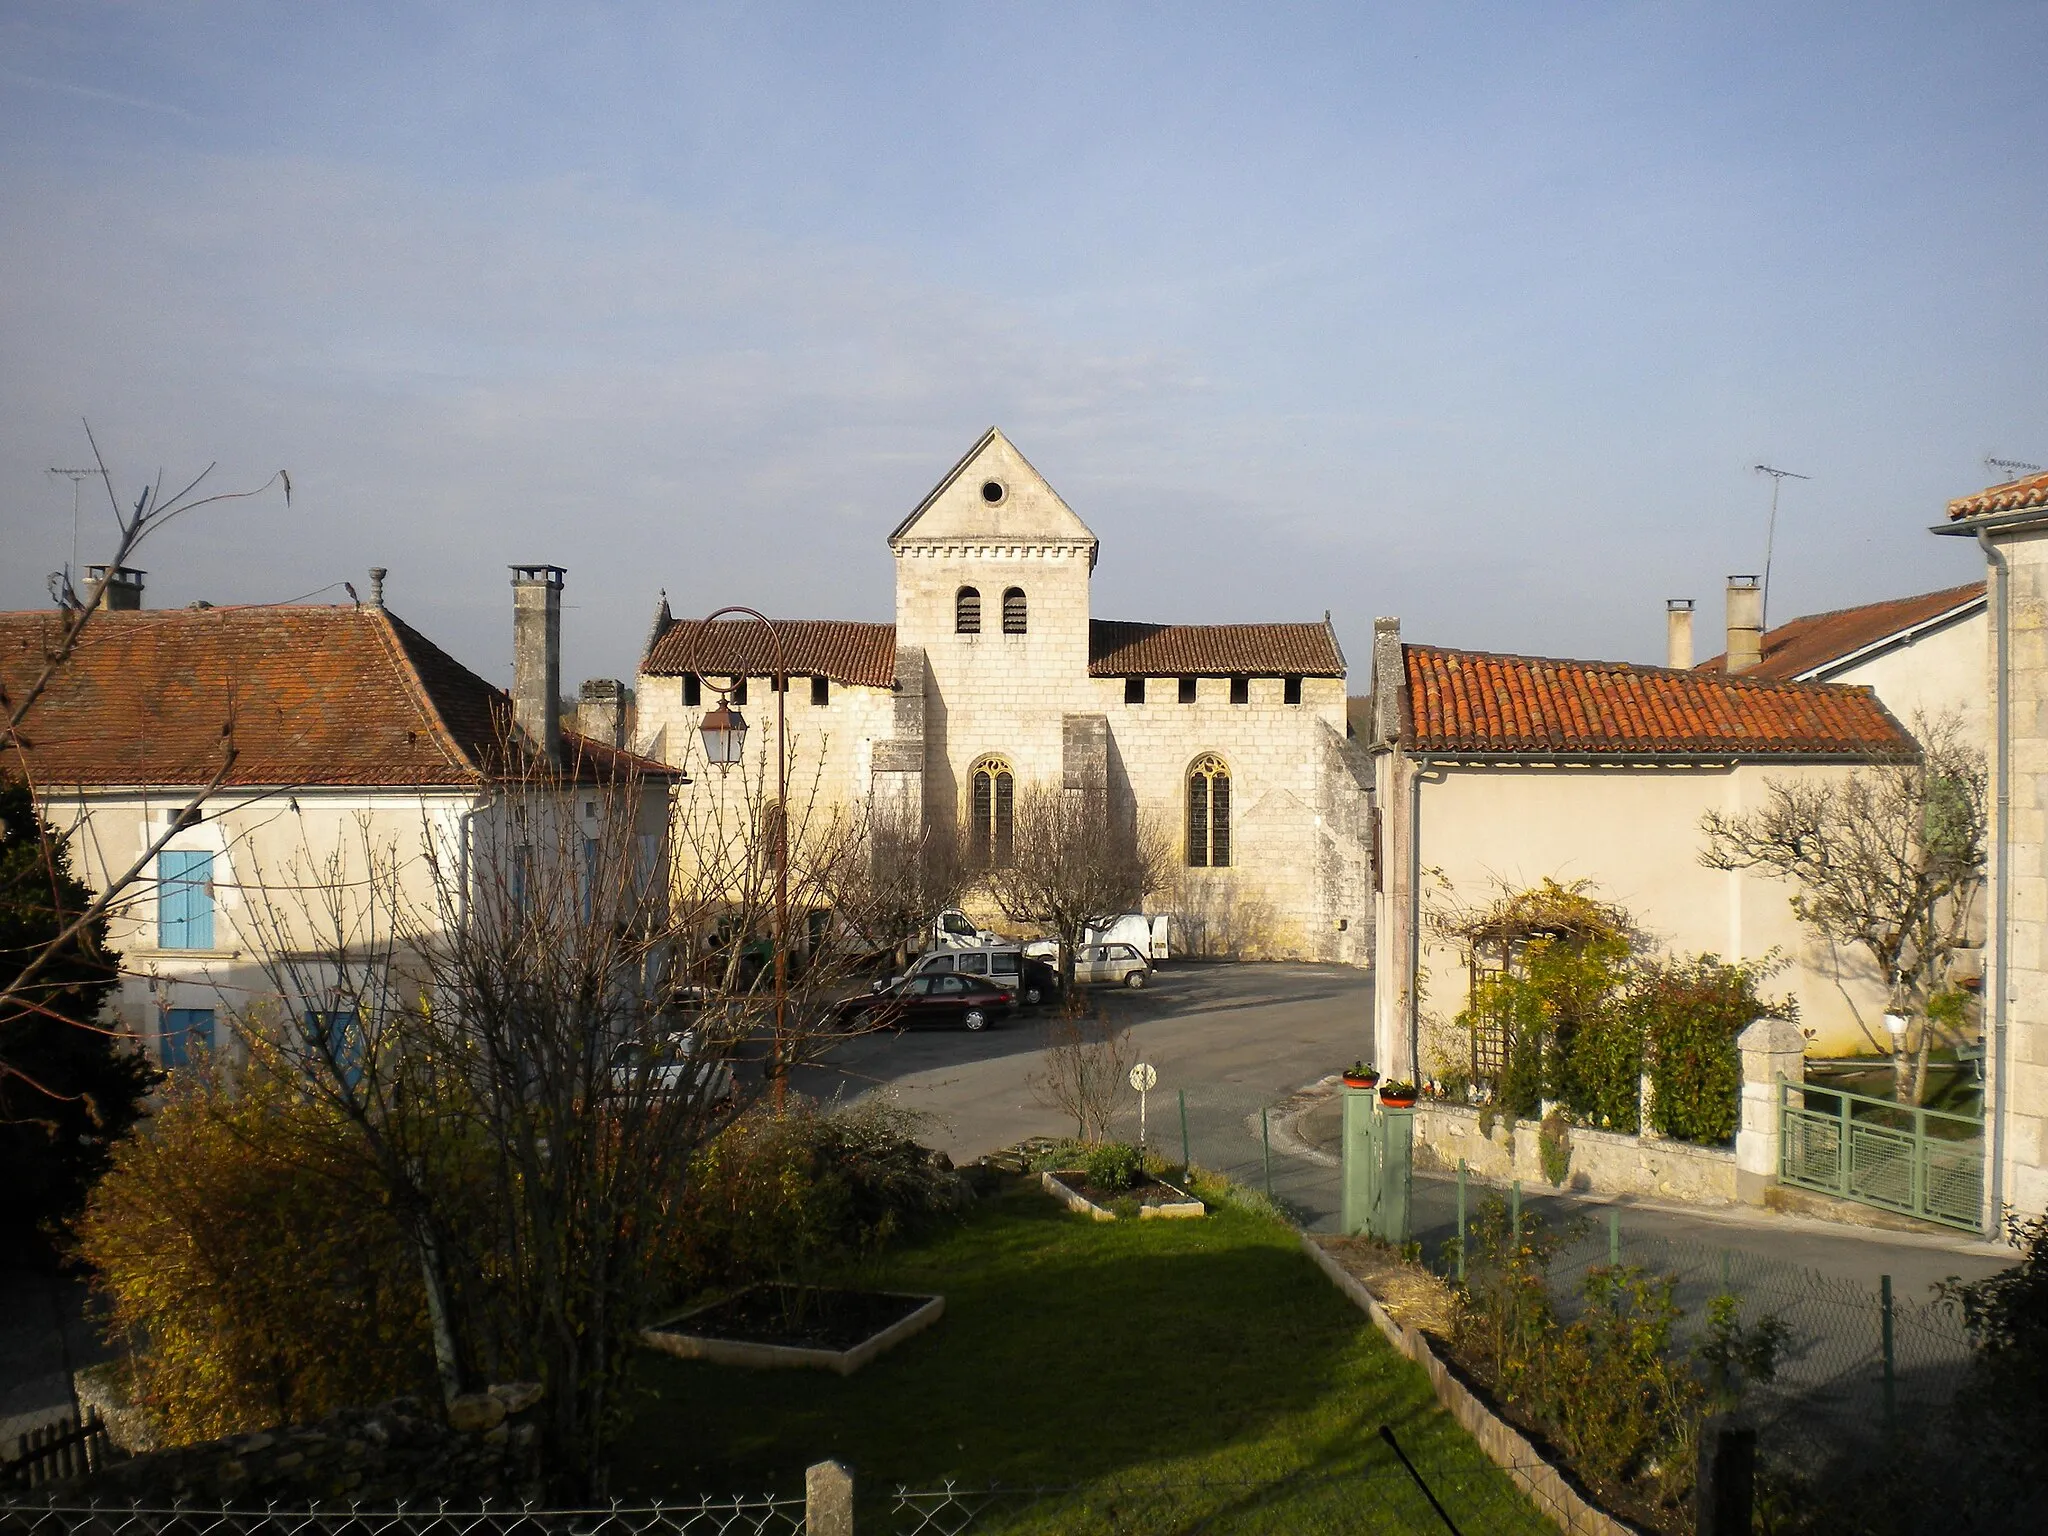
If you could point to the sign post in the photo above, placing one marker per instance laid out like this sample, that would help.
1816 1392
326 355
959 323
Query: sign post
1144 1078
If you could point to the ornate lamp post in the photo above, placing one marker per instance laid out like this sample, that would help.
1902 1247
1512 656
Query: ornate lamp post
725 737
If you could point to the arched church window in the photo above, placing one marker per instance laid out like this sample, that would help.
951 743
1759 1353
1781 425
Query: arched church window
967 612
991 810
1209 813
1013 611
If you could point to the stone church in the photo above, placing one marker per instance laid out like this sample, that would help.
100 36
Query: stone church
996 676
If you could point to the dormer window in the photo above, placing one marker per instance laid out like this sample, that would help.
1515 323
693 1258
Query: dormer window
1013 611
967 612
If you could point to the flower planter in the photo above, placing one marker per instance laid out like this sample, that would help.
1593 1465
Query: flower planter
1401 1099
725 1334
1364 1080
1157 1200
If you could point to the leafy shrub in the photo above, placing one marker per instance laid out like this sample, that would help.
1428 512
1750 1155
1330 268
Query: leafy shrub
786 1196
249 1261
1691 1014
1610 1387
1554 1146
2007 1318
1113 1166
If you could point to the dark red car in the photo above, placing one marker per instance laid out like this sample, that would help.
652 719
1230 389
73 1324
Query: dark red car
931 1002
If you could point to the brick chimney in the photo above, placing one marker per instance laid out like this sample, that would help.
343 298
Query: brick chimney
123 590
601 711
1678 632
1745 624
537 655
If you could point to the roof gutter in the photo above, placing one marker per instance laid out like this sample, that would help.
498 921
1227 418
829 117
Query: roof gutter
1450 755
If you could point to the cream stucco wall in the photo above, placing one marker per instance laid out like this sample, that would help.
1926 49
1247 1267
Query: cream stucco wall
302 871
1632 833
1938 673
276 859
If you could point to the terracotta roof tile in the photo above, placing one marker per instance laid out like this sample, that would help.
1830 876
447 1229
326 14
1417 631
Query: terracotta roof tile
316 696
1472 701
1797 647
861 655
2014 496
1121 649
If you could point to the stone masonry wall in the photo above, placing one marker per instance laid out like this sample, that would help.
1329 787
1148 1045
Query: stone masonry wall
486 1447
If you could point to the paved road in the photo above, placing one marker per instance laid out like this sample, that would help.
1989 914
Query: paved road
1257 1031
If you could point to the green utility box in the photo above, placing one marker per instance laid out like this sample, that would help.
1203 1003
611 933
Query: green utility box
1378 1156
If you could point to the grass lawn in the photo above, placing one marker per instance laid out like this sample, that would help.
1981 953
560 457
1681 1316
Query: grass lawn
1072 1352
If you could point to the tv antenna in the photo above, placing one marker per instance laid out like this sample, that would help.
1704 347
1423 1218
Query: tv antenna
74 476
1778 479
2009 469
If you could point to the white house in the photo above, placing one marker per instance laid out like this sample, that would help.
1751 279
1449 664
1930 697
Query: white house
346 735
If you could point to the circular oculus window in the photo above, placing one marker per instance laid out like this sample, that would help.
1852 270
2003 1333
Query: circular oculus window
993 491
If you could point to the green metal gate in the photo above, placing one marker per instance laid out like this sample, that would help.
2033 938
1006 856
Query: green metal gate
1919 1162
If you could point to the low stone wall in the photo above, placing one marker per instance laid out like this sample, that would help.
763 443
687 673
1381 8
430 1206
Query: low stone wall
1601 1162
485 1447
1548 1487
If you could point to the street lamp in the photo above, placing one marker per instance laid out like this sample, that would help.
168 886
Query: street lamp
725 736
724 730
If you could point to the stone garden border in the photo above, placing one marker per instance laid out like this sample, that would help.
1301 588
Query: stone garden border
1547 1487
844 1362
1177 1210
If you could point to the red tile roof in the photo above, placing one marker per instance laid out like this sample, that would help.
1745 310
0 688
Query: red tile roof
315 696
1799 646
865 654
1122 649
862 655
1537 706
2014 496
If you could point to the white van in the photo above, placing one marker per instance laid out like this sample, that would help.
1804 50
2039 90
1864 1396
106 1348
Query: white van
1147 935
954 929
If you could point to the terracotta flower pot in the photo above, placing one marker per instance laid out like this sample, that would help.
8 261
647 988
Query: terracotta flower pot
1361 1080
1399 1100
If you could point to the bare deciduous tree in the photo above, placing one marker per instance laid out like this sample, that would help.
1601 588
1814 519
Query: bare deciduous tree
1888 860
531 1029
1086 1072
1074 864
912 869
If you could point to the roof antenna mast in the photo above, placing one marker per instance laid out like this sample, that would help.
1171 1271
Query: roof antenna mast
1778 479
74 476
2009 469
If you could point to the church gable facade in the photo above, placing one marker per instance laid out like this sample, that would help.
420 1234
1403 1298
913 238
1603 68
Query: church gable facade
996 676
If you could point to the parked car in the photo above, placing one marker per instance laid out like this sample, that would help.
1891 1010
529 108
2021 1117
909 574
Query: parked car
1006 965
940 1001
1118 965
672 1064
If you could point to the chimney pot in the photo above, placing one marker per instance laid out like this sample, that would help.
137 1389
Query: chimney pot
1745 624
601 711
377 575
537 656
123 590
1678 632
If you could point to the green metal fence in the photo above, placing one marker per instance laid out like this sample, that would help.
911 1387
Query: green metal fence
1899 1157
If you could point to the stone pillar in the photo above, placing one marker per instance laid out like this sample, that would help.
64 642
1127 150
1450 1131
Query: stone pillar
1772 1050
828 1499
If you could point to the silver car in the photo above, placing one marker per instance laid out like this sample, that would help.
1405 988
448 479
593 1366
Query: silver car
1116 965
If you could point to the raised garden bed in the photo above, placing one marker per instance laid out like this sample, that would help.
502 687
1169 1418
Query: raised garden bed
769 1327
1155 1197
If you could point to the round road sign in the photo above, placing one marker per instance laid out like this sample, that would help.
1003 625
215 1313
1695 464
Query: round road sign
1144 1077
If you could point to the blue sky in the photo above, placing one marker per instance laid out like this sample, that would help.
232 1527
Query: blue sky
1476 315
